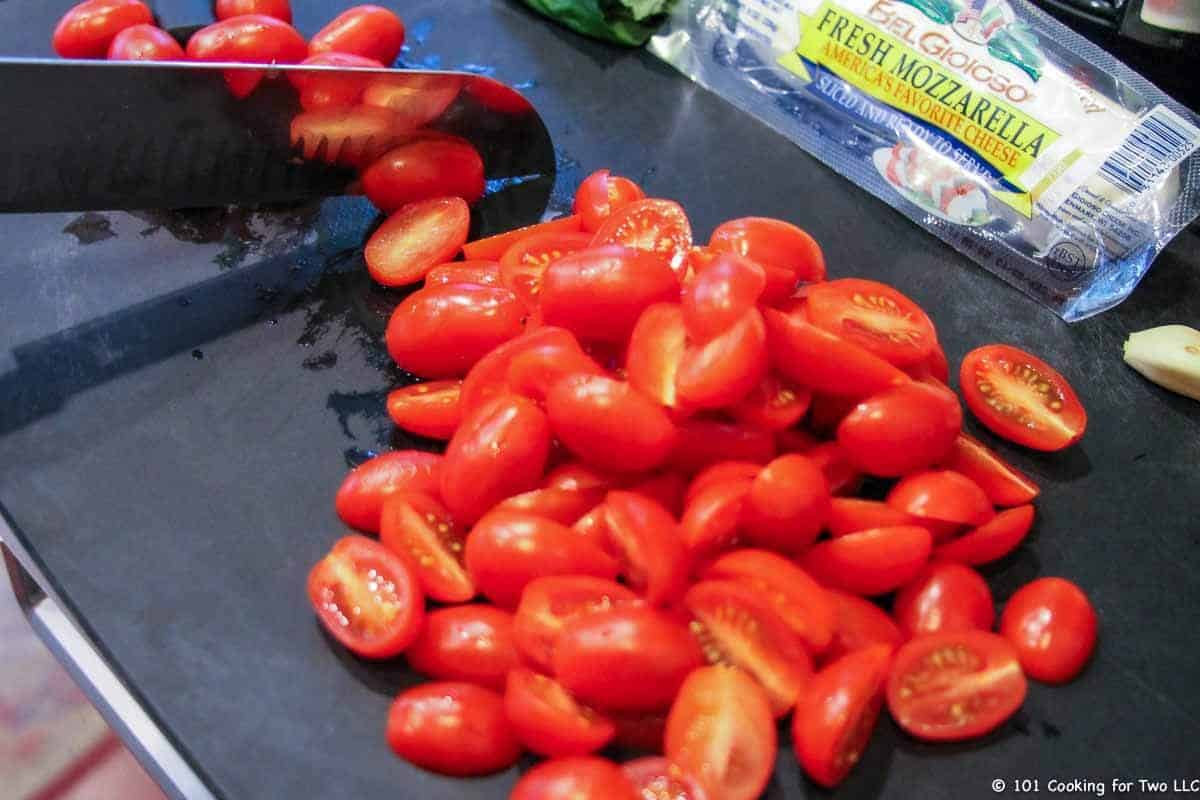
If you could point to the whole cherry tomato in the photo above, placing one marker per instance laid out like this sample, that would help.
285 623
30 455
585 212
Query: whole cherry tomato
424 169
578 778
441 331
145 43
788 504
254 39
369 31
87 30
319 89
280 9
1052 624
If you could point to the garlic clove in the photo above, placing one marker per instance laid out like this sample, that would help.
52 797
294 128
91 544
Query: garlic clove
1168 355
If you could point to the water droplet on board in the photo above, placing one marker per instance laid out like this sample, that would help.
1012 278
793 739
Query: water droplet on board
198 354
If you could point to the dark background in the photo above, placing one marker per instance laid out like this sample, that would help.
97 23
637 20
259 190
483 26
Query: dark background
180 395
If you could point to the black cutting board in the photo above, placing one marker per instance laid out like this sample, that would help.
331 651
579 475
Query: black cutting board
180 395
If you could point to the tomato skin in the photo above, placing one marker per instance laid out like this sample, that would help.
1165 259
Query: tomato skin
252 38
657 227
851 514
490 375
577 476
901 430
825 363
599 293
788 504
564 506
145 43
942 496
537 368
945 597
419 529
87 29
859 624
319 90
427 409
798 440
874 316
368 31
484 273
441 331
656 777
720 294
548 721
648 541
840 474
721 472
727 367
711 517
702 442
992 540
470 644
609 424
415 238
656 348
360 498
600 194
279 9
772 242
631 659
1003 483
452 728
422 170
773 405
340 584
1052 624
548 604
493 95
870 562
577 778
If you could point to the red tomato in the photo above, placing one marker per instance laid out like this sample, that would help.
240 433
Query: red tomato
319 89
598 294
657 778
427 409
602 193
837 713
870 562
367 598
647 541
654 226
360 498
944 598
423 170
943 496
368 31
826 363
608 423
577 476
839 473
726 368
484 273
953 686
772 243
524 264
499 450
828 411
798 440
471 643
642 732
721 731
493 247
548 604
580 778
416 238
280 9
665 489
419 529
656 348
788 504
441 331
351 137
508 549
495 96
87 30
548 721
145 43
453 728
1022 398
992 540
564 506
538 367
850 515
711 517
1003 483
773 405
721 294
721 472
901 430
625 659
702 442
1053 627
254 39
873 316
417 99
799 600
858 624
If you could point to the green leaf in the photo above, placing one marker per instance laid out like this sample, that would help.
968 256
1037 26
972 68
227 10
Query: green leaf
627 22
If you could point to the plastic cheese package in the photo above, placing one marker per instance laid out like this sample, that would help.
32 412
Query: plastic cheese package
1010 137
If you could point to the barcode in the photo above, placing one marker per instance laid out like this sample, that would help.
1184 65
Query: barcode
1160 141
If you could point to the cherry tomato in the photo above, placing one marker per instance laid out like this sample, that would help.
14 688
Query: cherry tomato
726 368
656 348
145 43
1003 483
87 29
712 515
858 624
368 31
484 273
788 504
826 363
721 731
721 472
598 294
642 732
798 440
548 604
499 450
602 193
647 541
702 442
721 294
944 598
953 686
493 247
828 411
1021 398
351 137
524 264
416 238
548 721
367 598
851 514
577 476
254 39
280 9
625 659
564 506
992 540
471 643
508 549
657 778
773 405
579 778
609 423
772 242
941 495
360 498
420 530
873 316
839 473
427 409
453 728
870 562
837 713
417 99
653 226
1052 624
495 96
321 89
441 331
425 169
901 430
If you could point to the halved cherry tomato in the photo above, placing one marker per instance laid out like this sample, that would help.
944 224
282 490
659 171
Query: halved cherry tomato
145 43
934 366
858 624
471 643
494 95
727 367
656 348
417 99
549 721
711 517
772 242
943 496
602 193
827 412
901 430
625 659
564 506
953 686
798 440
721 472
484 273
647 541
524 264
870 562
654 226
280 9
945 597
992 540
420 530
252 38
320 89
609 423
824 362
538 367
851 514
453 728
577 476
1021 398
874 316
441 331
799 600
490 375
737 625
721 731
1003 483
840 474
788 504
425 169
427 409
87 29
666 489
499 450
599 293
720 294
702 442
369 31
656 778
773 405
578 778
360 498
1052 624
837 714
367 598
352 137
642 732
493 247
415 239
548 604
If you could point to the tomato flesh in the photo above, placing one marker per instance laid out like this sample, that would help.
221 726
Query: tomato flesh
656 348
524 264
874 316
654 226
493 247
427 409
1003 483
420 530
858 624
416 238
656 778
651 551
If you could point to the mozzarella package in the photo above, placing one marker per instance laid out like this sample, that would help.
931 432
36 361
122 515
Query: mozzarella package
992 125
